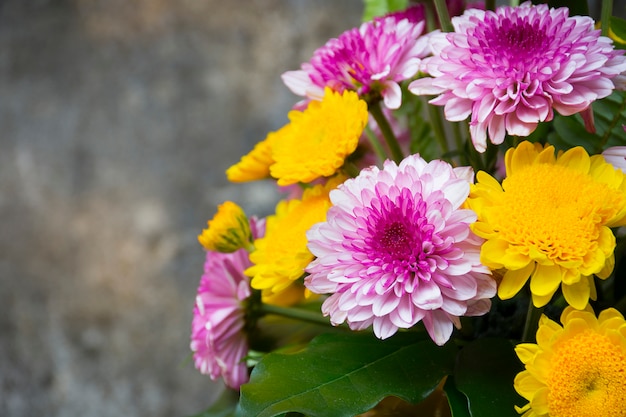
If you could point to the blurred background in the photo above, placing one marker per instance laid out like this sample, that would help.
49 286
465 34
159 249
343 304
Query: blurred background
117 121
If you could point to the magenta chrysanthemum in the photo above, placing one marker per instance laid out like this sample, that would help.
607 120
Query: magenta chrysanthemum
370 60
510 69
218 340
396 248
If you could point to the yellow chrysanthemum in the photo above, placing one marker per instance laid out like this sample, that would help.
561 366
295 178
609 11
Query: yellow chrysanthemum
319 138
256 164
228 231
549 221
281 255
576 370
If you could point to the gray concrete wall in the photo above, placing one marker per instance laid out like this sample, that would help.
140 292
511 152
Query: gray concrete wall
117 121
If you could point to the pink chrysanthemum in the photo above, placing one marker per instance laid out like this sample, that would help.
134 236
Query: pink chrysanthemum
218 340
396 248
510 69
370 60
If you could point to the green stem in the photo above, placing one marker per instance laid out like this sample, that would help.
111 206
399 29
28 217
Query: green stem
385 128
295 313
514 3
351 169
532 322
612 124
431 23
605 16
379 150
444 16
434 115
458 139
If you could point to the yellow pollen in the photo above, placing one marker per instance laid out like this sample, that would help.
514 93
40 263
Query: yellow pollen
587 378
558 211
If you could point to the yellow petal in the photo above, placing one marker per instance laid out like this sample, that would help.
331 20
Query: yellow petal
545 280
486 180
575 158
526 351
518 158
496 253
256 164
526 385
546 331
541 300
513 281
608 267
539 403
609 314
577 295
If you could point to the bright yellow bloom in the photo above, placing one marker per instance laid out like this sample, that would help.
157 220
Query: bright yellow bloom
576 370
228 231
319 138
281 255
256 164
549 221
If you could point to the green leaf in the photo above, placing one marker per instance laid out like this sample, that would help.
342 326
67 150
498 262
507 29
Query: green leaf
484 372
618 26
609 115
456 399
345 374
570 132
375 8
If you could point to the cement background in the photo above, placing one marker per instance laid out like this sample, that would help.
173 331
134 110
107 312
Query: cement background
117 121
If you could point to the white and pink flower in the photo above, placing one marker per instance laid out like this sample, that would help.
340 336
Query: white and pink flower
397 249
218 336
371 60
510 69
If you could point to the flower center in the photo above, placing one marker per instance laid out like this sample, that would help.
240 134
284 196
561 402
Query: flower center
511 46
394 238
587 378
553 211
400 235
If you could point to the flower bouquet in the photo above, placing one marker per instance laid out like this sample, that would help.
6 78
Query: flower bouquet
448 239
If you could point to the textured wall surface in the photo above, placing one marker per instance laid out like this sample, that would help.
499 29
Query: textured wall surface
117 121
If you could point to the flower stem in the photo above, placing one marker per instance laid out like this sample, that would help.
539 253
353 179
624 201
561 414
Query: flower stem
383 125
434 116
605 16
374 140
532 321
295 313
444 16
458 139
514 3
351 169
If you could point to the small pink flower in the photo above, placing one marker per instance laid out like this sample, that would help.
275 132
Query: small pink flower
397 249
370 60
218 339
510 69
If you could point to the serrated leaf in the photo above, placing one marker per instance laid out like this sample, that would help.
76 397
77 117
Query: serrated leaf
484 373
375 8
345 374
